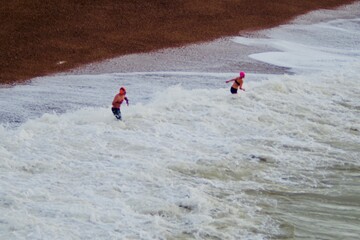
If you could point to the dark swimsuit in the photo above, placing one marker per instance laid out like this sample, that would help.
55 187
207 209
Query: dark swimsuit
234 90
117 113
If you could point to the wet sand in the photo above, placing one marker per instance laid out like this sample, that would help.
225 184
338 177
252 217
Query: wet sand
221 55
39 38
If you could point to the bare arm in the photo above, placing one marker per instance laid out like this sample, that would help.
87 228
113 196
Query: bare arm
116 100
231 80
241 83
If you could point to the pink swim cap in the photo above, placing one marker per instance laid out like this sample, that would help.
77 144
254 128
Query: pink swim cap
242 74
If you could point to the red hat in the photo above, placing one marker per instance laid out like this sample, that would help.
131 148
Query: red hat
122 88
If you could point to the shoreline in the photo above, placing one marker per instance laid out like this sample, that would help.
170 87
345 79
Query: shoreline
201 57
39 40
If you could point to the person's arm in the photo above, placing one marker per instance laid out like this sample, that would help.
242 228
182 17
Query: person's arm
115 100
127 101
231 80
241 83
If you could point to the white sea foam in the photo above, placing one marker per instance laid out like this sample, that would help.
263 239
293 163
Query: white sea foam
190 160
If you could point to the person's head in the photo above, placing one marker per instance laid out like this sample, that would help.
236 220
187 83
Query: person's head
242 74
122 91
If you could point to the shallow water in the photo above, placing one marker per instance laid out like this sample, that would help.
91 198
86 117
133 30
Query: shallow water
279 161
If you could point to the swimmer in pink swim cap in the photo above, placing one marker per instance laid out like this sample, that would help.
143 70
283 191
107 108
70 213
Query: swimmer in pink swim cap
238 82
